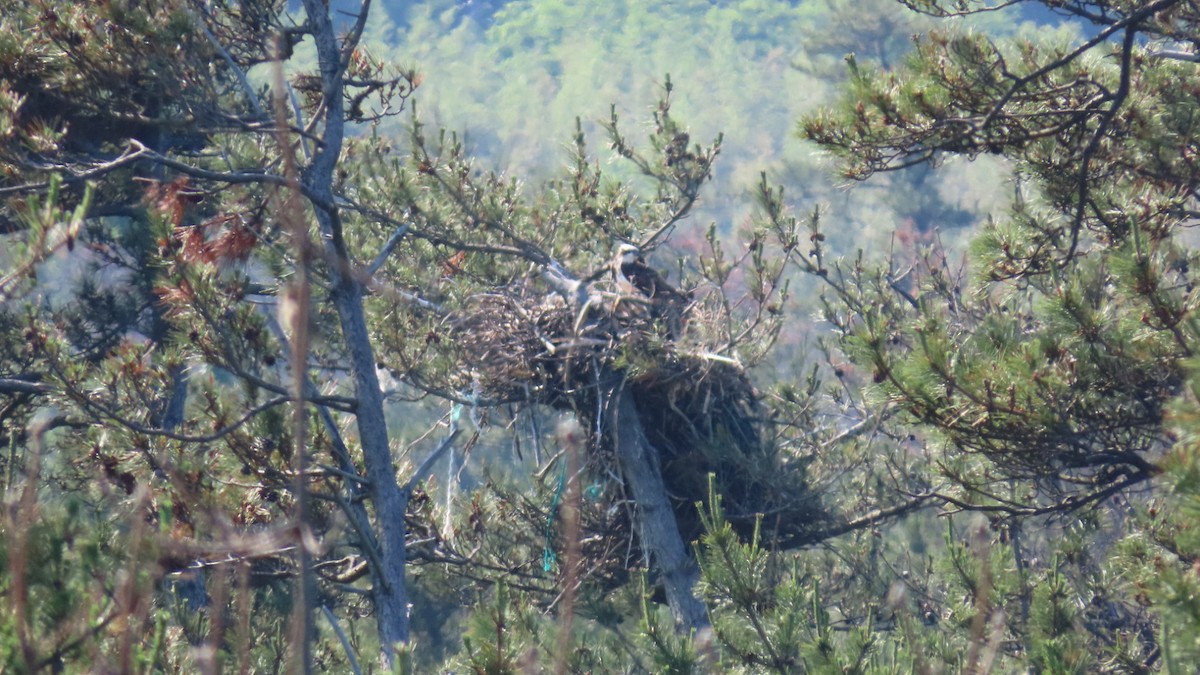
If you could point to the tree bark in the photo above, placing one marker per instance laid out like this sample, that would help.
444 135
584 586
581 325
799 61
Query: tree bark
658 530
389 592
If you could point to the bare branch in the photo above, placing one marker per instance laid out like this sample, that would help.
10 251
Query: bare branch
387 249
14 386
875 517
1175 54
132 153
247 89
429 462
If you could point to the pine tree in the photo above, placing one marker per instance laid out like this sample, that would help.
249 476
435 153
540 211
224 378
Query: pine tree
1041 369
223 232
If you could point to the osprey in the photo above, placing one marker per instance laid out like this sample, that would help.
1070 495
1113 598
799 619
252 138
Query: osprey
635 277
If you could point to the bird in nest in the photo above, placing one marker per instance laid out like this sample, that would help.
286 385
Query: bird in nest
636 279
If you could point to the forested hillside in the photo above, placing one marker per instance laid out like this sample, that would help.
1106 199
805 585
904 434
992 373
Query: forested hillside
504 337
515 77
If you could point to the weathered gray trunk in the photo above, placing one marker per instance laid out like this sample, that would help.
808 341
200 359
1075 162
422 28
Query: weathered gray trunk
657 528
389 592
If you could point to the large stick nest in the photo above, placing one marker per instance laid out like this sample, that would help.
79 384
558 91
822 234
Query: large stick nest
699 411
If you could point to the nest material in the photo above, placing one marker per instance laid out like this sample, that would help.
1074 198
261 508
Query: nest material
700 413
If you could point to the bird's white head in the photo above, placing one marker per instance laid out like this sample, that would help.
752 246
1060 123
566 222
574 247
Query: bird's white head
628 253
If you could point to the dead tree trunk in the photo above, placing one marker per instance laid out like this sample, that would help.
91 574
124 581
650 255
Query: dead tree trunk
388 591
656 525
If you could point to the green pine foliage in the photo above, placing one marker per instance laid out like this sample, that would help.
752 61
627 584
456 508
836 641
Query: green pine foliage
1042 368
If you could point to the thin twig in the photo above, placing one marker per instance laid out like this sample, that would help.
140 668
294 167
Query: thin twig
240 74
337 629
